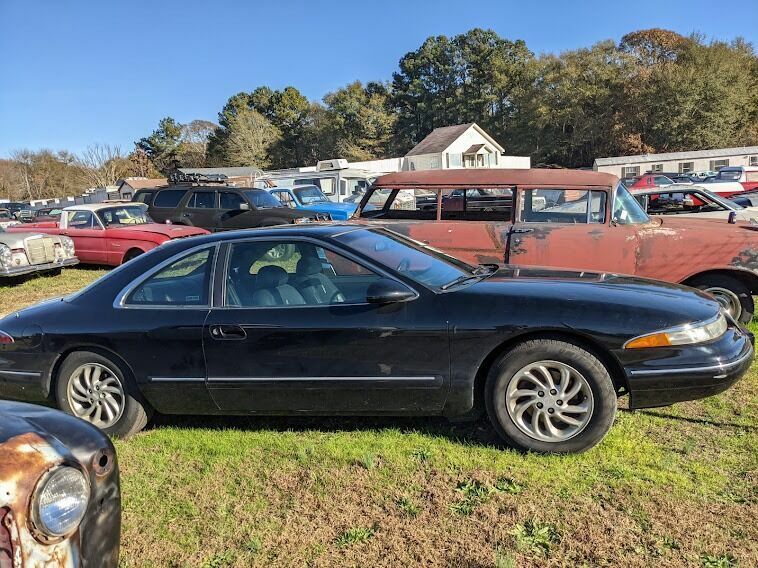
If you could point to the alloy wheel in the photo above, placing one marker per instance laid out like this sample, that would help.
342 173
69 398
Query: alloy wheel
95 394
549 401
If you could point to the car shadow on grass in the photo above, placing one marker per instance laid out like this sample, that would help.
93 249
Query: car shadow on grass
701 421
477 432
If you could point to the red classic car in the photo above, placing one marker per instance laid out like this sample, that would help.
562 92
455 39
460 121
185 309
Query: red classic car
566 219
110 233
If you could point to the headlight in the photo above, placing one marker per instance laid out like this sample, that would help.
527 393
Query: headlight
687 334
301 220
68 246
60 501
6 256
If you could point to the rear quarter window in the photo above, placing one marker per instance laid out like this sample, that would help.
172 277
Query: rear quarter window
169 197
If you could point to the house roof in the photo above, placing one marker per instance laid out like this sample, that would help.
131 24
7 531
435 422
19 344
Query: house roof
474 149
144 183
440 139
646 158
493 177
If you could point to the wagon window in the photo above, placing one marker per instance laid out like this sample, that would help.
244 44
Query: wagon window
563 206
462 204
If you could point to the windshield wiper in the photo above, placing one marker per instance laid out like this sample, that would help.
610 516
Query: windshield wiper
480 272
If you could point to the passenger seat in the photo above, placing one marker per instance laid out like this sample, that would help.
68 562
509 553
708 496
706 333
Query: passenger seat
272 288
313 284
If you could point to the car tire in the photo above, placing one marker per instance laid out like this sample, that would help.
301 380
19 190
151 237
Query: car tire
134 253
129 413
509 390
731 293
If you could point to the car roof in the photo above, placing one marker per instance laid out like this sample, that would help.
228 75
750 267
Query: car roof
99 206
496 177
669 188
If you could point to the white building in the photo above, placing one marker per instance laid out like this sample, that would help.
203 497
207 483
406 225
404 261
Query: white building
679 162
460 146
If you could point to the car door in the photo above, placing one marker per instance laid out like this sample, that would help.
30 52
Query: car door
201 209
160 319
571 228
297 334
88 235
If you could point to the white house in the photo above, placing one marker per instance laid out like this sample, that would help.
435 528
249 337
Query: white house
460 146
679 162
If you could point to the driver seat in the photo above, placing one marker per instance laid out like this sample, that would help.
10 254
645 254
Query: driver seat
313 284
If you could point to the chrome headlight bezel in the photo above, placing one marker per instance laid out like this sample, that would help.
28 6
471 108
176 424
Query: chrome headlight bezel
69 250
301 220
688 334
6 256
43 529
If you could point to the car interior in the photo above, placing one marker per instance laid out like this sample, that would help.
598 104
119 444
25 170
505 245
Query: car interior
266 274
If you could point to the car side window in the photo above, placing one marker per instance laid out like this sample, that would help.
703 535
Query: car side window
169 198
270 274
202 200
143 196
286 198
563 206
184 282
80 220
230 201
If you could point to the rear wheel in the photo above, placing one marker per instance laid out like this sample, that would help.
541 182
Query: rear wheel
550 396
730 292
97 390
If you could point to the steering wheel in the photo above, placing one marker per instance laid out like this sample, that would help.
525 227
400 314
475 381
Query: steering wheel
404 265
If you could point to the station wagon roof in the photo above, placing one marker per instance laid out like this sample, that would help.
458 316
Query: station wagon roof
99 206
494 177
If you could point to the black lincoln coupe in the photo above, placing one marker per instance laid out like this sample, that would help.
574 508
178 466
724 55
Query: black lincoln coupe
363 321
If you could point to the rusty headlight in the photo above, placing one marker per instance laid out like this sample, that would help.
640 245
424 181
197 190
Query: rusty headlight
60 502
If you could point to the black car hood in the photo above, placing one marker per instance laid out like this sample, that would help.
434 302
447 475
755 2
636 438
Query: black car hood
612 294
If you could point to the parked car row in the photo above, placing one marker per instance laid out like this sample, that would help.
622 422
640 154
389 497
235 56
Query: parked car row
455 293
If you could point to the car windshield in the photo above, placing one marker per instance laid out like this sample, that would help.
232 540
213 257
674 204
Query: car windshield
310 194
262 199
626 209
729 175
420 263
123 216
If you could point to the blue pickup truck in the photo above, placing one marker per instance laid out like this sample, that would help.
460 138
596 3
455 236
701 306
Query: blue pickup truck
312 198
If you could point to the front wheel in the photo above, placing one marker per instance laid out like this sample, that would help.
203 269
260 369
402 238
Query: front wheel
97 390
731 293
550 396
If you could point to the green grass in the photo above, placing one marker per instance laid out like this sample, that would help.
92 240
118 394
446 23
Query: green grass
674 486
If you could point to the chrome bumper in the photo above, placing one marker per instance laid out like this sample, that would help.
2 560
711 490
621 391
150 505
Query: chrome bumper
28 269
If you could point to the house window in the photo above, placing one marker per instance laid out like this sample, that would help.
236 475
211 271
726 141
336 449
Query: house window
686 167
480 160
454 160
754 160
468 161
718 164
630 171
655 168
434 163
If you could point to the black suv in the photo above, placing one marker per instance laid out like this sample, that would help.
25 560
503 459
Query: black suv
198 202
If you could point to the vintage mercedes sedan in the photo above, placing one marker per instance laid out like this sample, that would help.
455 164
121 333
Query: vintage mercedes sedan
365 321
26 252
60 498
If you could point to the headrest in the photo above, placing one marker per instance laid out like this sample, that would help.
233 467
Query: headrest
308 265
271 276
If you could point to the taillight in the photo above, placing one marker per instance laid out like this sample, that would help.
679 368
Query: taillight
6 339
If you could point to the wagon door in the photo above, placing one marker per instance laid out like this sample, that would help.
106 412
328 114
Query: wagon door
571 228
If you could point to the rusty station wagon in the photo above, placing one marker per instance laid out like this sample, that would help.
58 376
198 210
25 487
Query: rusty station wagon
566 219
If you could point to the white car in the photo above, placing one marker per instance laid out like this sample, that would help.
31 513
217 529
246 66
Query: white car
692 201
733 179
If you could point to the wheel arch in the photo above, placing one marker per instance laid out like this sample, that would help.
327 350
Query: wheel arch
615 369
103 351
135 251
747 277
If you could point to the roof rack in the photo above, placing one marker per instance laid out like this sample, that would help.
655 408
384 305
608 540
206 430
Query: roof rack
179 177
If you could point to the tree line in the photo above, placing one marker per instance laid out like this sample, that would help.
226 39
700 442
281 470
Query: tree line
653 91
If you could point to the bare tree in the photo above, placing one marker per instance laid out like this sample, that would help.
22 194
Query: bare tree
101 165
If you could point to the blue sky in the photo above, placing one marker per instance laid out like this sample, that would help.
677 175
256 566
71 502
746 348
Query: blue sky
76 72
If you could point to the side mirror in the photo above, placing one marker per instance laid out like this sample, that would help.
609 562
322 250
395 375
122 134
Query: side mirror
386 291
244 207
